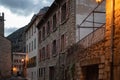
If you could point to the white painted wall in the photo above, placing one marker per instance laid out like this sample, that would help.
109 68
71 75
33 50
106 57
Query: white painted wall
32 72
83 8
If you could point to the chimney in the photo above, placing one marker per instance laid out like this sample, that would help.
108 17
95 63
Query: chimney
2 24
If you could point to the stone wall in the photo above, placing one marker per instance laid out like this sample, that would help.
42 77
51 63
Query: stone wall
105 53
86 54
113 33
68 29
5 57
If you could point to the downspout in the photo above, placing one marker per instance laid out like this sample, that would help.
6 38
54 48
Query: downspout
112 40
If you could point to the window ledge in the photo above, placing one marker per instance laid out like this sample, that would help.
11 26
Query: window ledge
64 21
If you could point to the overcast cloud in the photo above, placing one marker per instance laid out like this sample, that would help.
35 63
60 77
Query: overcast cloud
25 7
18 13
9 30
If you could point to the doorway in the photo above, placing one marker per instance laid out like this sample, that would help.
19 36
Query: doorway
91 72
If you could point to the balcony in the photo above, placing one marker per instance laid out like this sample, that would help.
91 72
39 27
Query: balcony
92 28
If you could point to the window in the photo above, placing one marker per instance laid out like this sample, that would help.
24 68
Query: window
32 45
52 73
40 36
29 47
48 51
44 73
48 28
62 42
40 55
43 33
32 62
63 12
32 29
29 34
54 22
39 72
35 43
43 53
26 48
54 47
26 36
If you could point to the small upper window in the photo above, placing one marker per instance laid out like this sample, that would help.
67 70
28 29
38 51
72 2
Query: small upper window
48 27
43 33
63 12
54 22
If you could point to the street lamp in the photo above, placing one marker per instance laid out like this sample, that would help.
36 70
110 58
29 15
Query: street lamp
14 69
23 67
23 60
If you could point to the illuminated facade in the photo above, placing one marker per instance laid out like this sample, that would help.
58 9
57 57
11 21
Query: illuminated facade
17 63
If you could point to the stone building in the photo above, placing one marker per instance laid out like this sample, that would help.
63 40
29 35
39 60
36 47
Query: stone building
79 40
32 45
56 34
97 56
18 63
66 24
5 51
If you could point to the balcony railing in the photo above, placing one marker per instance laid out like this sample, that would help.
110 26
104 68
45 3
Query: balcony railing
93 25
92 38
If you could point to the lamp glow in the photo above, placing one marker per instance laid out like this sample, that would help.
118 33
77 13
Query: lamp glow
14 69
98 1
22 60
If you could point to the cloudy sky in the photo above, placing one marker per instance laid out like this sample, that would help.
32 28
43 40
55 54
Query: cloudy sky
18 13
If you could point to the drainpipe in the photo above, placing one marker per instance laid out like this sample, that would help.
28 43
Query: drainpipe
112 40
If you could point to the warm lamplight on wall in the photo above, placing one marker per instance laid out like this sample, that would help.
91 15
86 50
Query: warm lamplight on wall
27 57
14 69
98 1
